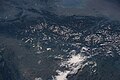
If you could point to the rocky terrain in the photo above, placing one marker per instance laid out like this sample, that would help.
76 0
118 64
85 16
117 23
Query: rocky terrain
36 44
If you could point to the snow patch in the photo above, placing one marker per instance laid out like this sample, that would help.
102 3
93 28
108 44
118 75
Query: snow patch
38 78
73 64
